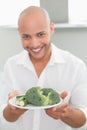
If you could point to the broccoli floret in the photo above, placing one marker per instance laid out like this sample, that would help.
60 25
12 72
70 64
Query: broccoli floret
21 101
35 97
52 95
41 97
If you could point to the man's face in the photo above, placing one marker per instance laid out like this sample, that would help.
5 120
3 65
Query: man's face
35 34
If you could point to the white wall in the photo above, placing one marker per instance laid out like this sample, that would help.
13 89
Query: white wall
10 44
73 40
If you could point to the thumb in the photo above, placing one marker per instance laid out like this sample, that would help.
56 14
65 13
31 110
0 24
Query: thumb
12 94
64 94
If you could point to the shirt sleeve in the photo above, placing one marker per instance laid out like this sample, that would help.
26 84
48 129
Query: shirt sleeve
4 91
79 93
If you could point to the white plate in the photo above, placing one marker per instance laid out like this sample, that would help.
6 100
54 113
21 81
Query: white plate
12 102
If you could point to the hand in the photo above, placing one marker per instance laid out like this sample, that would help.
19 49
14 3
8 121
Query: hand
12 113
13 94
58 111
69 115
13 109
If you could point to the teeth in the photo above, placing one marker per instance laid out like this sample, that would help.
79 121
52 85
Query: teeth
36 50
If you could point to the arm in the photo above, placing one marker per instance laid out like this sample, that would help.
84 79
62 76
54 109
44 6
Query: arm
71 116
11 113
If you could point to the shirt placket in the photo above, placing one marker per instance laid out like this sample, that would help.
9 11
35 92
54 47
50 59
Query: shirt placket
37 114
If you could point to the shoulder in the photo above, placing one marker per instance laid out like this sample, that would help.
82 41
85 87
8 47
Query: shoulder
17 58
68 57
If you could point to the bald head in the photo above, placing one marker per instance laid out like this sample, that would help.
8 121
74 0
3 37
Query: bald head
36 30
34 11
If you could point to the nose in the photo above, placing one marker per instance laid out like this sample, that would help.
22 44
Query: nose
34 42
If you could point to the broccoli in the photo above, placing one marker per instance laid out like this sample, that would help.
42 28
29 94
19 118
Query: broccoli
21 101
53 96
42 97
35 97
39 97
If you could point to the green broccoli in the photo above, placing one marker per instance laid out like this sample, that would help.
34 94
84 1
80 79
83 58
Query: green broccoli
35 97
53 96
41 97
21 101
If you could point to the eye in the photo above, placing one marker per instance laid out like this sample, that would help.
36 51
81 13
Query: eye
41 34
25 36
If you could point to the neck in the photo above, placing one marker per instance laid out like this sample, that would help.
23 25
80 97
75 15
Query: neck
40 64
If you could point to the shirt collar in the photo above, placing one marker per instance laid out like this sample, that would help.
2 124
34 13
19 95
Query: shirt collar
24 59
56 57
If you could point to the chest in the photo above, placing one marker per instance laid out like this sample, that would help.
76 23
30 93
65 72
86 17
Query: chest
54 77
39 67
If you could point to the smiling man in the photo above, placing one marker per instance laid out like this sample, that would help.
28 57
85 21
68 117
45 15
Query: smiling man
43 64
36 30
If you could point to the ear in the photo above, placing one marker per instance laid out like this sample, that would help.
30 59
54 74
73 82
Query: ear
52 28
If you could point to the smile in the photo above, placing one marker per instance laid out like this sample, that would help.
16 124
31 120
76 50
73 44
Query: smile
37 49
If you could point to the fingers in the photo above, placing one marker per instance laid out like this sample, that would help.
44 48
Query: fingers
16 110
61 106
64 94
58 111
12 94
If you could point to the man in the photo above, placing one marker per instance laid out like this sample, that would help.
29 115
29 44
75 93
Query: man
43 64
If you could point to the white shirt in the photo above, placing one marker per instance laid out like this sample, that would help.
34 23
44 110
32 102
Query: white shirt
63 72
